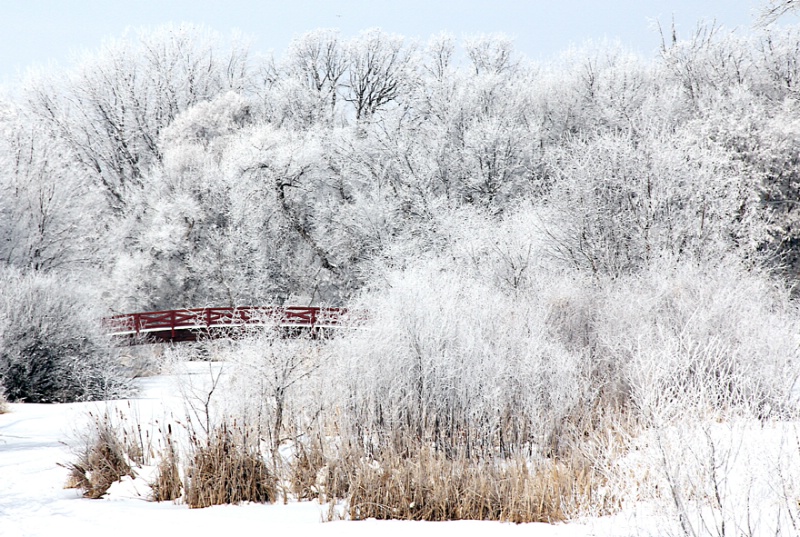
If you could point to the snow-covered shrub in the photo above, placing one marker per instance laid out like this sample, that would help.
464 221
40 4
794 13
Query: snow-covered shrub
3 401
494 344
281 375
704 337
261 378
493 349
52 348
715 478
244 416
450 360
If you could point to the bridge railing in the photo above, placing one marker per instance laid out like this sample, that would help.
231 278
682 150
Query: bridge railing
172 321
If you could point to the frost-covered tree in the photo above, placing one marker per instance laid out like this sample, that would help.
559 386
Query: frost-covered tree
772 10
233 214
632 199
110 108
226 183
491 54
201 233
44 201
381 71
318 60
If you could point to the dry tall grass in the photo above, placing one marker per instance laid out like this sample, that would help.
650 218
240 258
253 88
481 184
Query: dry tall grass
227 468
101 461
430 486
316 473
305 469
167 484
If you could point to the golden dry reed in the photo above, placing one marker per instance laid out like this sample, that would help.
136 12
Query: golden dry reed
227 468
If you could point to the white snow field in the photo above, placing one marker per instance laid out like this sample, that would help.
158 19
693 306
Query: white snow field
35 440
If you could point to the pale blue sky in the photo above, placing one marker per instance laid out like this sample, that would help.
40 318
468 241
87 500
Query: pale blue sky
37 31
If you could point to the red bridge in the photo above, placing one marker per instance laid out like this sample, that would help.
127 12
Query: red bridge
196 323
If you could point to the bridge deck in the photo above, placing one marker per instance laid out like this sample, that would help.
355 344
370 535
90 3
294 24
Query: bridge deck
190 324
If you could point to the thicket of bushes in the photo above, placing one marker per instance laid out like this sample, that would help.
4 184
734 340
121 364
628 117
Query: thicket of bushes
52 346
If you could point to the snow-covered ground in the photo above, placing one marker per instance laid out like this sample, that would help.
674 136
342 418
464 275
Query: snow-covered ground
36 439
